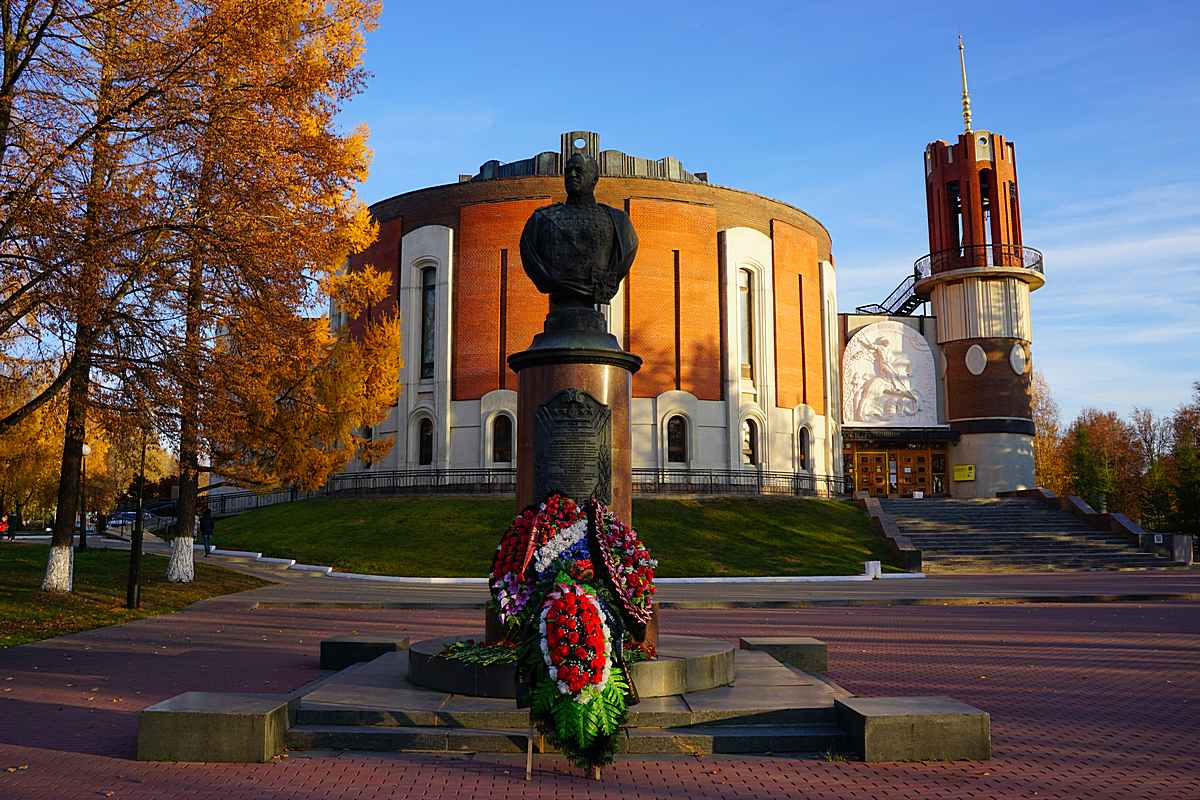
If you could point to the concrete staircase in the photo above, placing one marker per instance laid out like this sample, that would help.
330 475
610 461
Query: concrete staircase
1010 534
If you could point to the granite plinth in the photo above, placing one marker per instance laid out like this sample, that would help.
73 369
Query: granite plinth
344 651
427 667
213 726
915 728
606 377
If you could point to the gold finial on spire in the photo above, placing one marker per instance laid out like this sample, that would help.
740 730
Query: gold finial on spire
966 100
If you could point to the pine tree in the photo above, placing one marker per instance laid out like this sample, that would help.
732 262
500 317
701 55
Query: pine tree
1091 474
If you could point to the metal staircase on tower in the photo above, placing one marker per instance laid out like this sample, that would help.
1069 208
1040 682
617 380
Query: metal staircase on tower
902 302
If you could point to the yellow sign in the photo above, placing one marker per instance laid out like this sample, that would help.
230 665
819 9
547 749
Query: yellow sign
964 472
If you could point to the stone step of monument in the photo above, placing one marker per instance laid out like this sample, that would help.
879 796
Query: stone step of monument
688 740
650 713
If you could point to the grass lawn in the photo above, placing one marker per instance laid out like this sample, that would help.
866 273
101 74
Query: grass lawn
456 536
28 614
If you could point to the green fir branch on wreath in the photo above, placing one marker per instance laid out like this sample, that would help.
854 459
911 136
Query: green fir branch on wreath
585 732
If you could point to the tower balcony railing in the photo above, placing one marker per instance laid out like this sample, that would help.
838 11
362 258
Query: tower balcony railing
979 257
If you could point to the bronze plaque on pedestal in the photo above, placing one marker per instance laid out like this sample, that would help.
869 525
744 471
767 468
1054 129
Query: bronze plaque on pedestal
572 447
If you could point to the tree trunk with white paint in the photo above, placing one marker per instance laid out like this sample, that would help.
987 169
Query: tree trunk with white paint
182 567
60 569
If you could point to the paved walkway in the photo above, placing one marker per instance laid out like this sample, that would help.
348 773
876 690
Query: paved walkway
1087 700
300 589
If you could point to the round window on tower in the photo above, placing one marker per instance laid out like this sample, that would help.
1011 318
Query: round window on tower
976 360
1017 359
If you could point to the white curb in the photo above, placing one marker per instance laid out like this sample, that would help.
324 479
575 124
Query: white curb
765 579
416 581
236 553
311 568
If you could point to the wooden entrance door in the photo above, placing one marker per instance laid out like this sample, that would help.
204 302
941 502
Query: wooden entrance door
912 473
871 472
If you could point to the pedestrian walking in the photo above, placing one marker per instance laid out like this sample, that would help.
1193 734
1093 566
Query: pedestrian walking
4 534
206 530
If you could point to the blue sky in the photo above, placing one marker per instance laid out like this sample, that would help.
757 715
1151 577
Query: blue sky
829 107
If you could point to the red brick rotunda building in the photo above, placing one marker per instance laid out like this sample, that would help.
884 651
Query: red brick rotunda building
749 368
731 303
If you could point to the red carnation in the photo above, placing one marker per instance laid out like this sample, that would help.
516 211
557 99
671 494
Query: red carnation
573 637
581 653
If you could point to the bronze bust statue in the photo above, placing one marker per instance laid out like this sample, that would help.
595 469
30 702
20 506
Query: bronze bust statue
578 252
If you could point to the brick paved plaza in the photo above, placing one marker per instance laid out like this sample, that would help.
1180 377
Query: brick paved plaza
1087 701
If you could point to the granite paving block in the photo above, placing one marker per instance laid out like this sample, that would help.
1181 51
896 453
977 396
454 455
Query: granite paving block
213 726
915 728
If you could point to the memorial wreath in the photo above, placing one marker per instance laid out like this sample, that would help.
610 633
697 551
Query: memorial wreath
572 587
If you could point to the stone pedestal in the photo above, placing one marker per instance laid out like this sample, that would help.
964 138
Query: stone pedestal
605 376
213 726
574 434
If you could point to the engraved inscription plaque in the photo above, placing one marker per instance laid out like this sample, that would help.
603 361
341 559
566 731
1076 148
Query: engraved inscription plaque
572 447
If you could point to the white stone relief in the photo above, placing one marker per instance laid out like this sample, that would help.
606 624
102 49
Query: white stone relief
976 360
888 378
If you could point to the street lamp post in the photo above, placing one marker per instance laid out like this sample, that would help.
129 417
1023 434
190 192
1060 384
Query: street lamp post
81 502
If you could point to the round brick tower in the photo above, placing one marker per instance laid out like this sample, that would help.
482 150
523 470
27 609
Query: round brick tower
978 276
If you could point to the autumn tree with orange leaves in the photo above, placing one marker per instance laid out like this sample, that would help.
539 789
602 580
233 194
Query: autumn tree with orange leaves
268 184
171 181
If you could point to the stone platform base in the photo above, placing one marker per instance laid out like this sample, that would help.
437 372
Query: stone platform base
213 726
752 702
770 708
684 664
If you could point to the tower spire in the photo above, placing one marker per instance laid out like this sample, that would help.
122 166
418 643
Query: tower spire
966 97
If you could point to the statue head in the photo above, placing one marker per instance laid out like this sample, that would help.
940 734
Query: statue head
580 174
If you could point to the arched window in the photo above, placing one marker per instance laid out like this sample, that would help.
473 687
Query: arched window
750 442
745 302
425 442
677 444
428 329
804 447
502 439
986 190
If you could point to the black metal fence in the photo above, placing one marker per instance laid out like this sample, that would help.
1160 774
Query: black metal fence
735 482
504 481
